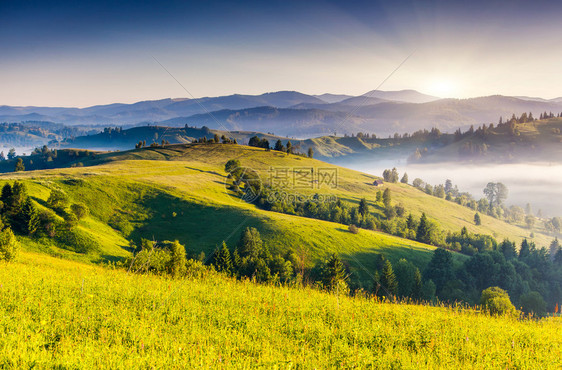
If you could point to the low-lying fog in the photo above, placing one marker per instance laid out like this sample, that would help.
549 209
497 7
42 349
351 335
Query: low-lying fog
539 184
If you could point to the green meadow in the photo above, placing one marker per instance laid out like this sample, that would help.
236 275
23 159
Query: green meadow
57 313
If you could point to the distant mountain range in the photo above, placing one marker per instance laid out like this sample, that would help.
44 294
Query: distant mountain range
294 114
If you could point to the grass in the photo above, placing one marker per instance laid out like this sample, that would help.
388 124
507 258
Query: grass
352 186
61 314
178 192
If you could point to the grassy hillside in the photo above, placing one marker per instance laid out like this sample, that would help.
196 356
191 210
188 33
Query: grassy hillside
61 314
186 199
351 186
178 192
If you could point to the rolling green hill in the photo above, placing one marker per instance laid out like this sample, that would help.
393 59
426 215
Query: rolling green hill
178 192
143 193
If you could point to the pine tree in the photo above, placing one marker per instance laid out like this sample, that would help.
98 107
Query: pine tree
404 179
410 222
508 249
363 207
6 195
178 260
417 290
376 283
440 269
423 234
387 175
310 152
388 280
222 260
28 217
289 147
279 146
15 196
334 274
386 198
554 248
236 260
558 257
525 250
394 175
477 220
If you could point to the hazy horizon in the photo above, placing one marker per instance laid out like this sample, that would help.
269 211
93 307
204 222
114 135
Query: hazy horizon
257 94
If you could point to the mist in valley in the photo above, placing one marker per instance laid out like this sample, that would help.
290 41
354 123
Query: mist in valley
539 184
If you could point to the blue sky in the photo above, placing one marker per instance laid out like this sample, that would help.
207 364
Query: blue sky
72 53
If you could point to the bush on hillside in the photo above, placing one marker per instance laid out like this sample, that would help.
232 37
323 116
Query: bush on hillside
151 259
9 246
496 301
177 263
79 210
76 240
58 200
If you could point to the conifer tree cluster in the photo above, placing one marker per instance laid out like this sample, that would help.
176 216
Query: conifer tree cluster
252 259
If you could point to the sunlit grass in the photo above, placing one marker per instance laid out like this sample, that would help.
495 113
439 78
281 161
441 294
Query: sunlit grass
58 313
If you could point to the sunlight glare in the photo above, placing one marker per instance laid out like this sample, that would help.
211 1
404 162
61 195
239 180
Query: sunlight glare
442 87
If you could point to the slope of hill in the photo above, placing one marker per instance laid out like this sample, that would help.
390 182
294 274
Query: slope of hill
178 193
57 313
190 179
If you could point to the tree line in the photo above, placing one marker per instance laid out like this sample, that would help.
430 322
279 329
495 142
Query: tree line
500 279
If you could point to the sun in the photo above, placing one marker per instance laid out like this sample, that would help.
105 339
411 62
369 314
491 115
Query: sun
442 87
